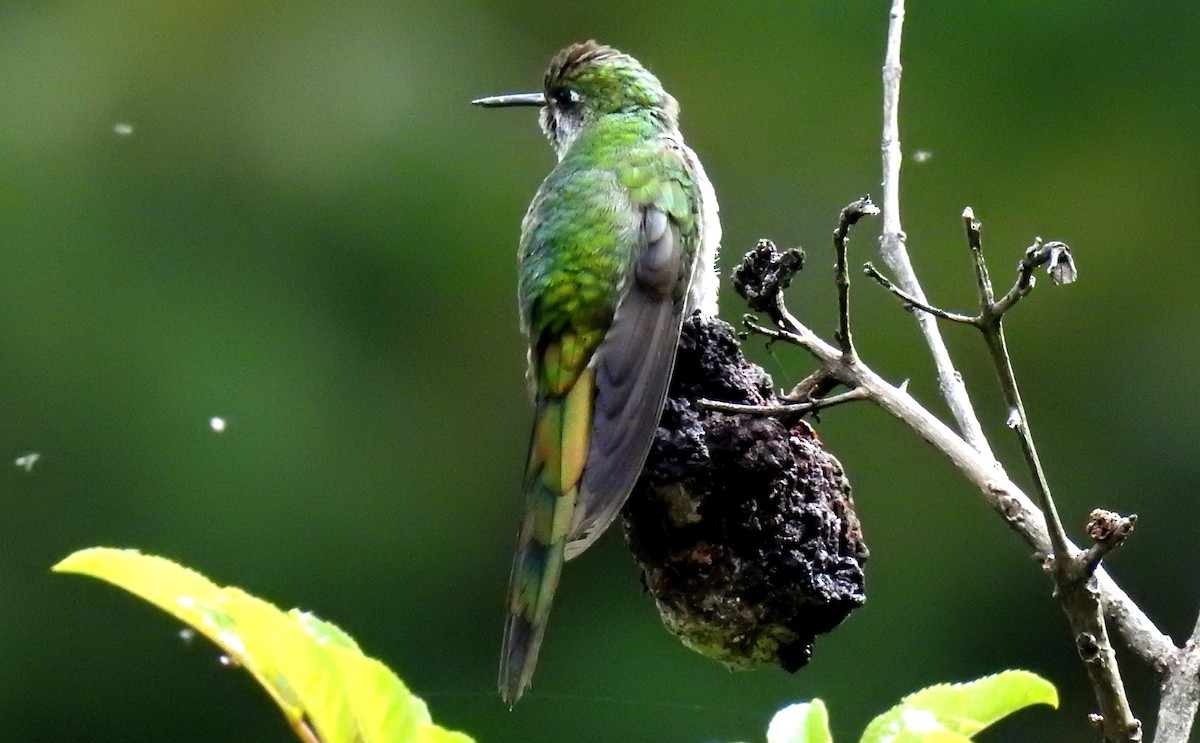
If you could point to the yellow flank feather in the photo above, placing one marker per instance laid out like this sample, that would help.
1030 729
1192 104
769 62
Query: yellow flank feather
576 429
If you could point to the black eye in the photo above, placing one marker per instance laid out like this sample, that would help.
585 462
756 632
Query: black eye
564 96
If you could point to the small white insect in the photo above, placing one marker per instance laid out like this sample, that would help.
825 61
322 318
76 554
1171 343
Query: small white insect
217 424
26 461
122 129
922 156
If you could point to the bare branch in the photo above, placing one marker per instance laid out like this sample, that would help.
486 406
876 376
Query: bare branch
1139 632
986 297
815 385
991 323
773 334
1085 591
1071 569
1180 693
853 212
1141 635
795 408
895 254
911 302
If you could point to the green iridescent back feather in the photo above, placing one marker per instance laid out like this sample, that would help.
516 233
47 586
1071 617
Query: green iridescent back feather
582 228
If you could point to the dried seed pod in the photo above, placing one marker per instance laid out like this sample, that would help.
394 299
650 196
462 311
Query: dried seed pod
743 527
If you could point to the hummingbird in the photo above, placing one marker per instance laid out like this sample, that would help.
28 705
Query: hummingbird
618 246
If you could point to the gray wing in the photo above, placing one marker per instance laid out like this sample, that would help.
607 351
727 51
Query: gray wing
633 370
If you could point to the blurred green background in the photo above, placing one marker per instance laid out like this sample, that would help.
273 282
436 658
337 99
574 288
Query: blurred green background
287 215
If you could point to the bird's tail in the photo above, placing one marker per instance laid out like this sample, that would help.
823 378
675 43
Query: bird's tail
557 454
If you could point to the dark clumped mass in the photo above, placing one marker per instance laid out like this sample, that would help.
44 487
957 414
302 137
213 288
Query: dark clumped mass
744 528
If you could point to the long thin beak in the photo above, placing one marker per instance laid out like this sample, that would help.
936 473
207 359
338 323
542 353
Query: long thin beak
512 99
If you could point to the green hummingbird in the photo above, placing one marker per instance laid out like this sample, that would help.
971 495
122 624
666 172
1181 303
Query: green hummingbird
618 247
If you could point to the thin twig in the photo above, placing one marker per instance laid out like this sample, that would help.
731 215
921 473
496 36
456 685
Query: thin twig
794 408
815 385
853 212
991 323
1056 253
773 334
1024 282
987 297
912 302
895 254
1071 568
1062 270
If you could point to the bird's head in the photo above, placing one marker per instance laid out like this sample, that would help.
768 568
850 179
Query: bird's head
587 81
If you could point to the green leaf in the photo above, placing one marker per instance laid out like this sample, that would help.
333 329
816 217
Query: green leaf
807 722
954 712
327 689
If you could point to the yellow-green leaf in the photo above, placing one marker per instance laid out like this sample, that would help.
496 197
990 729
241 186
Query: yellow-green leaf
806 722
327 689
955 712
